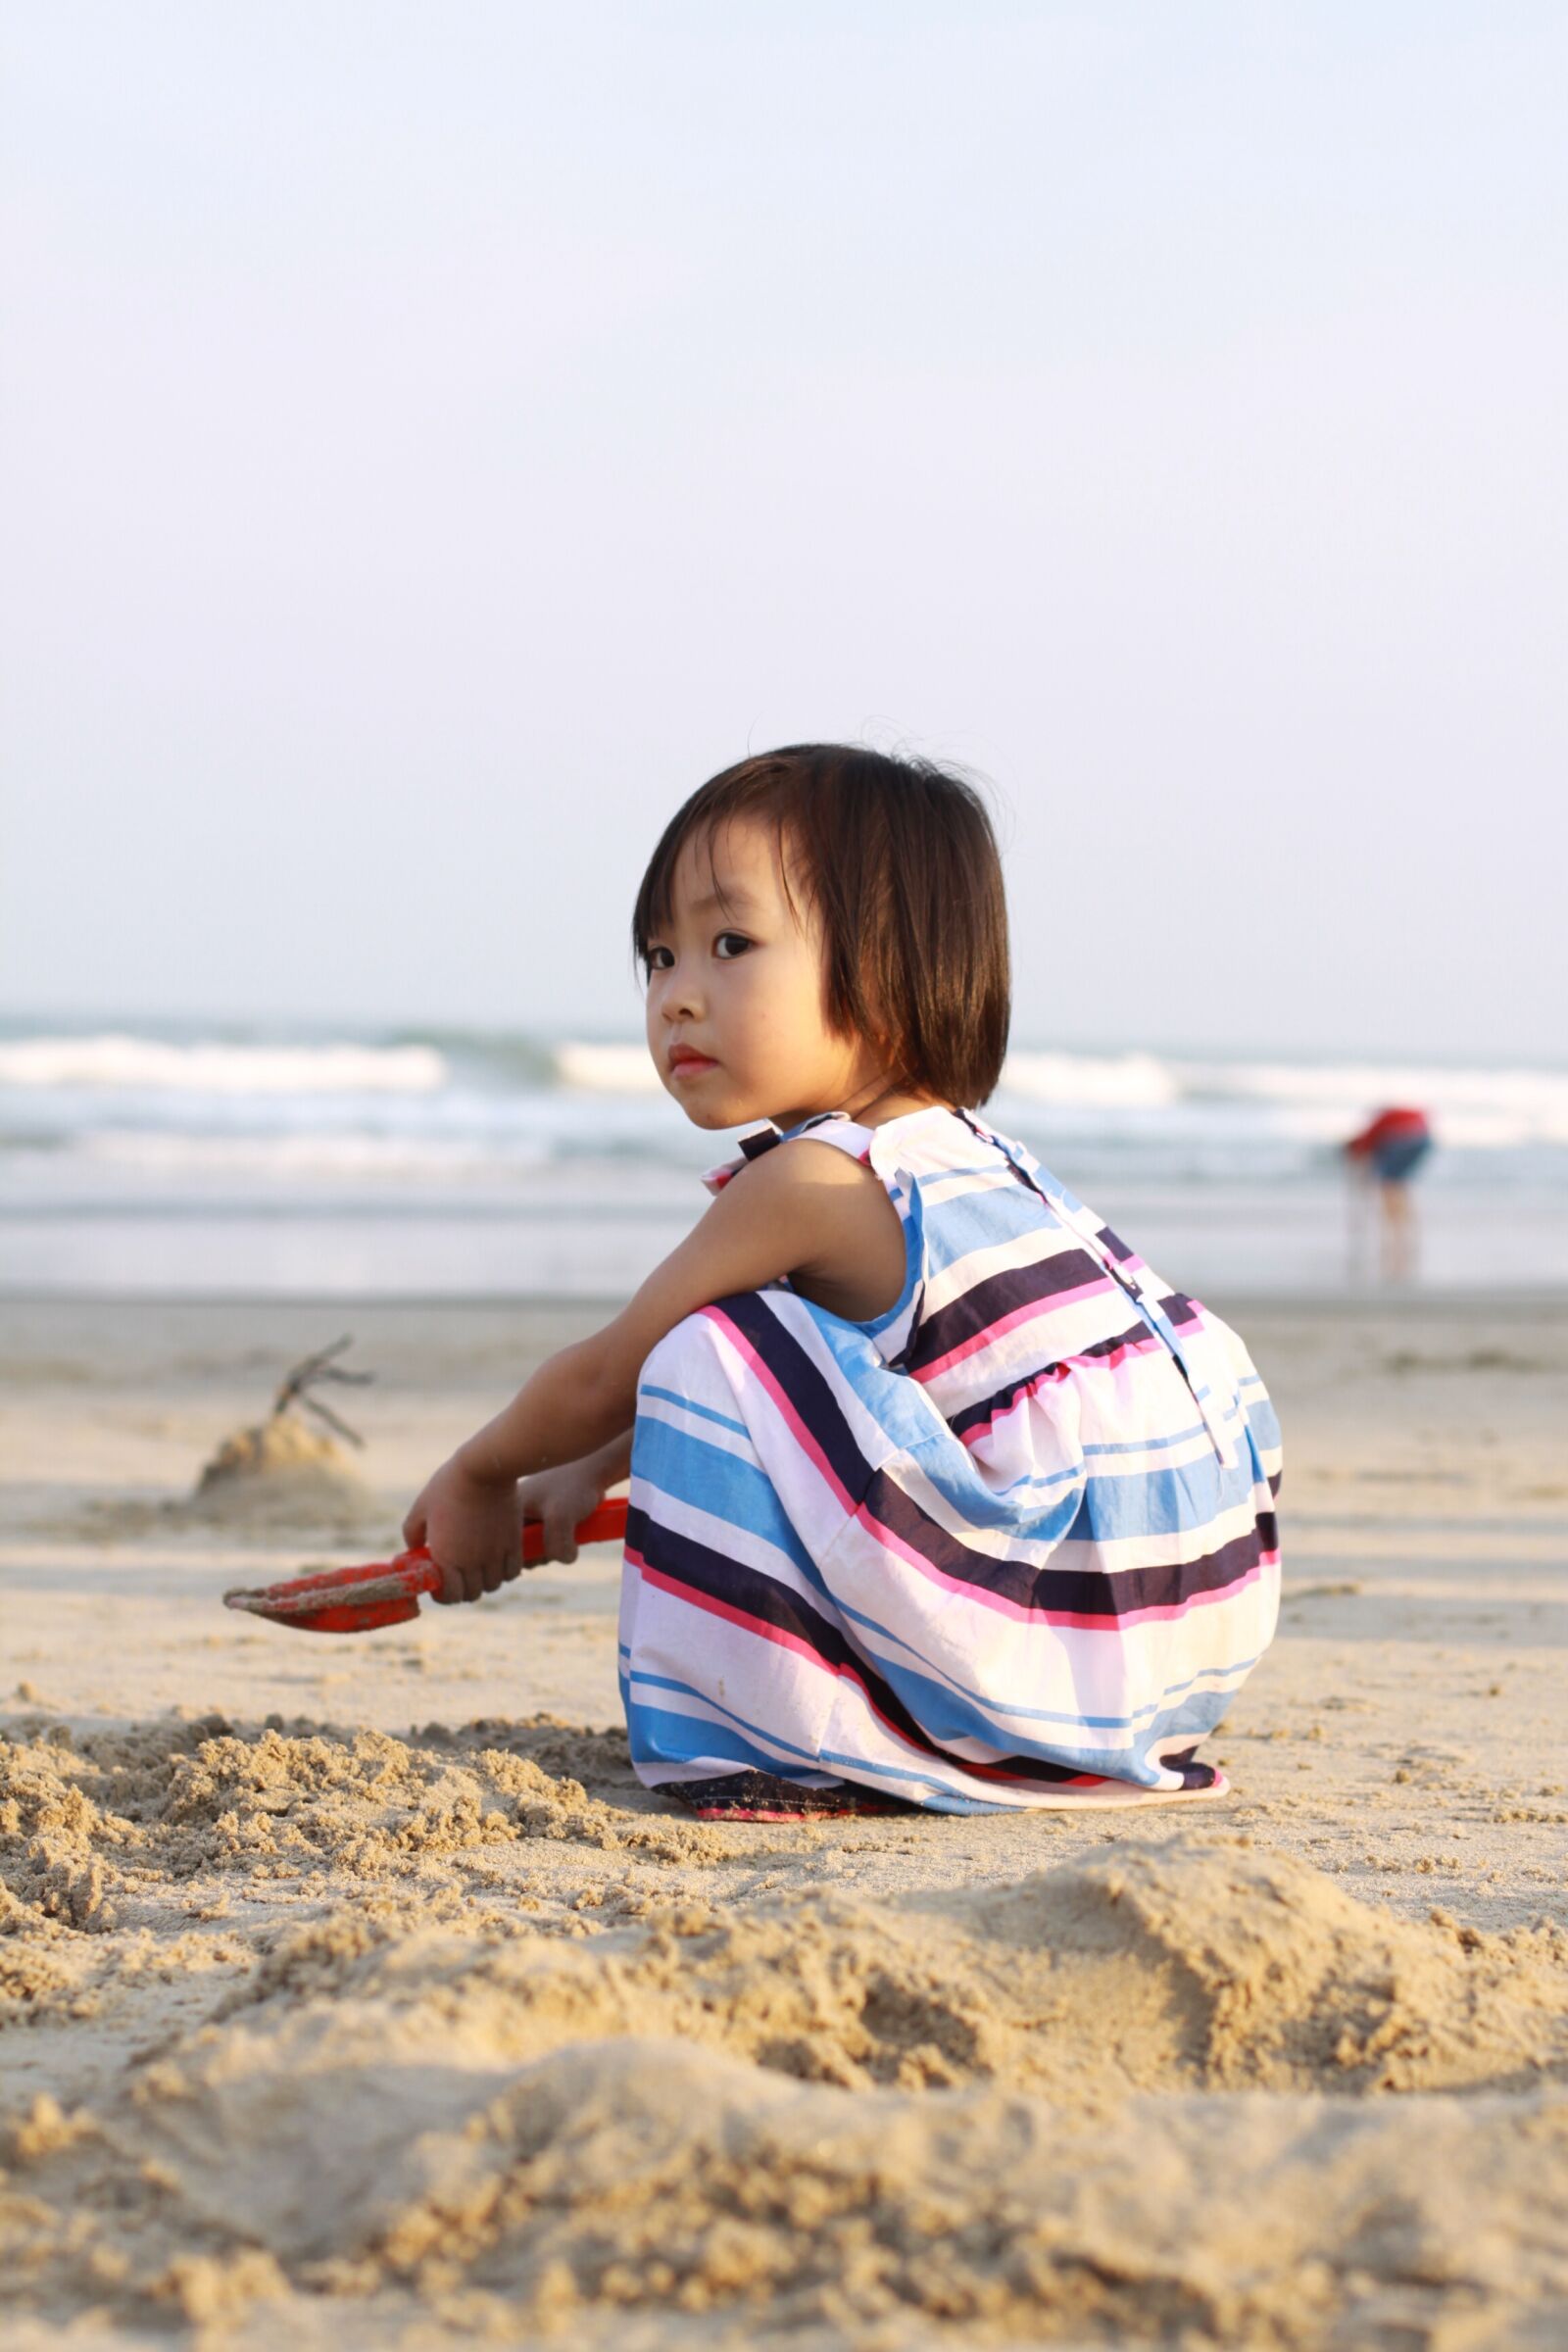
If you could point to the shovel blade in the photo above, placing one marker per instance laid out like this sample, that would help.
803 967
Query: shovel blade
354 1601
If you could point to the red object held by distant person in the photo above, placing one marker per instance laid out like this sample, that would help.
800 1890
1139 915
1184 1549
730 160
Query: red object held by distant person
1398 1123
354 1601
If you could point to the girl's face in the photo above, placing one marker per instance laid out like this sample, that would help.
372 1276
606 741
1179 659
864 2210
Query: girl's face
735 1022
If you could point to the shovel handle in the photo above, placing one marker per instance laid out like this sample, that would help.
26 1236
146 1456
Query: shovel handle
354 1601
606 1525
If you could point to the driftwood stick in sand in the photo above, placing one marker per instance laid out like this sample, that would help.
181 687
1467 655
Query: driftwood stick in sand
308 1374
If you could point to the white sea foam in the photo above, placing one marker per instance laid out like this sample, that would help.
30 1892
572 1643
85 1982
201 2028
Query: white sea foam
190 1160
1498 1106
450 1105
596 1069
1470 1108
1091 1081
1319 1103
112 1062
334 1158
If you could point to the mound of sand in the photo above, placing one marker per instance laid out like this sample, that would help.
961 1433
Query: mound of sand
411 2190
279 1474
268 1483
1160 1970
1150 1967
83 1823
1160 2095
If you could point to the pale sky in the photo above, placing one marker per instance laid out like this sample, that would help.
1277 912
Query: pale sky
433 437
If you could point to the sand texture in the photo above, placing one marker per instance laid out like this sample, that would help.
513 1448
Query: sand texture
352 1992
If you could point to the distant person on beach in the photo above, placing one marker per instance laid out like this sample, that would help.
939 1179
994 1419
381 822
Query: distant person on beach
1385 1154
939 1496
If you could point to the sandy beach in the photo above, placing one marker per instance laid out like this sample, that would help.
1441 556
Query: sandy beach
352 1992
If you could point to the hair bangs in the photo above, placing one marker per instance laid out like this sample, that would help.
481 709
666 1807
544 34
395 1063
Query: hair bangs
756 788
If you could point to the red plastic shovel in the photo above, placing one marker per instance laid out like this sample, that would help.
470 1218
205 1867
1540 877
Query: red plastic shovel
351 1601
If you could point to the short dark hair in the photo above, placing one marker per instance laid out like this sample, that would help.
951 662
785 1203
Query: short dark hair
901 862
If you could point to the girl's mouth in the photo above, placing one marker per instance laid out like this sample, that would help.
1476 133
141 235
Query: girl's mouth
684 1063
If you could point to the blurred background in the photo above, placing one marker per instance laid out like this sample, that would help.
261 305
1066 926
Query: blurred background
432 440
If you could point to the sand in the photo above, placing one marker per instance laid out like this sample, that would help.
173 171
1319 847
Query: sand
353 1993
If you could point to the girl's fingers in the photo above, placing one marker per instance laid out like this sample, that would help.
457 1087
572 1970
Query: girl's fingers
472 1582
494 1560
459 1583
561 1536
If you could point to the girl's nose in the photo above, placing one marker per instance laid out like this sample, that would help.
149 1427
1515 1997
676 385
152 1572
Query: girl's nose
681 999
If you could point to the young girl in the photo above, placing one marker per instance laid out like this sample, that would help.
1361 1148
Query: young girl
939 1496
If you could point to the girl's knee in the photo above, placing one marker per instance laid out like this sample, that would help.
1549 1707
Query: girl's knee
692 1342
692 1391
695 1355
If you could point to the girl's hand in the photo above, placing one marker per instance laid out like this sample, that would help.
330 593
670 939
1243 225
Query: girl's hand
472 1528
563 1498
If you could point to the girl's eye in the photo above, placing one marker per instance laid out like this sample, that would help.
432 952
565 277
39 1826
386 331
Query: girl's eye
730 943
660 959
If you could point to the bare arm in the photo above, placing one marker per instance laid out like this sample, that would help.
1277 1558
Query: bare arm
786 1214
806 1210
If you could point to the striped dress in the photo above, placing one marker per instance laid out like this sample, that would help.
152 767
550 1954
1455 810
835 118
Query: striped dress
1010 1544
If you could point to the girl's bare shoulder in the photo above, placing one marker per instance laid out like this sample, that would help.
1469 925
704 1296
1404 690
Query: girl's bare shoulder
804 1165
855 1264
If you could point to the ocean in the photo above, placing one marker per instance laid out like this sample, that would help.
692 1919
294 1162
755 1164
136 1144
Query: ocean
172 1160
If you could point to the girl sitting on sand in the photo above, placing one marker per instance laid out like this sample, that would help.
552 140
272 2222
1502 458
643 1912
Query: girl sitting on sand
939 1496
